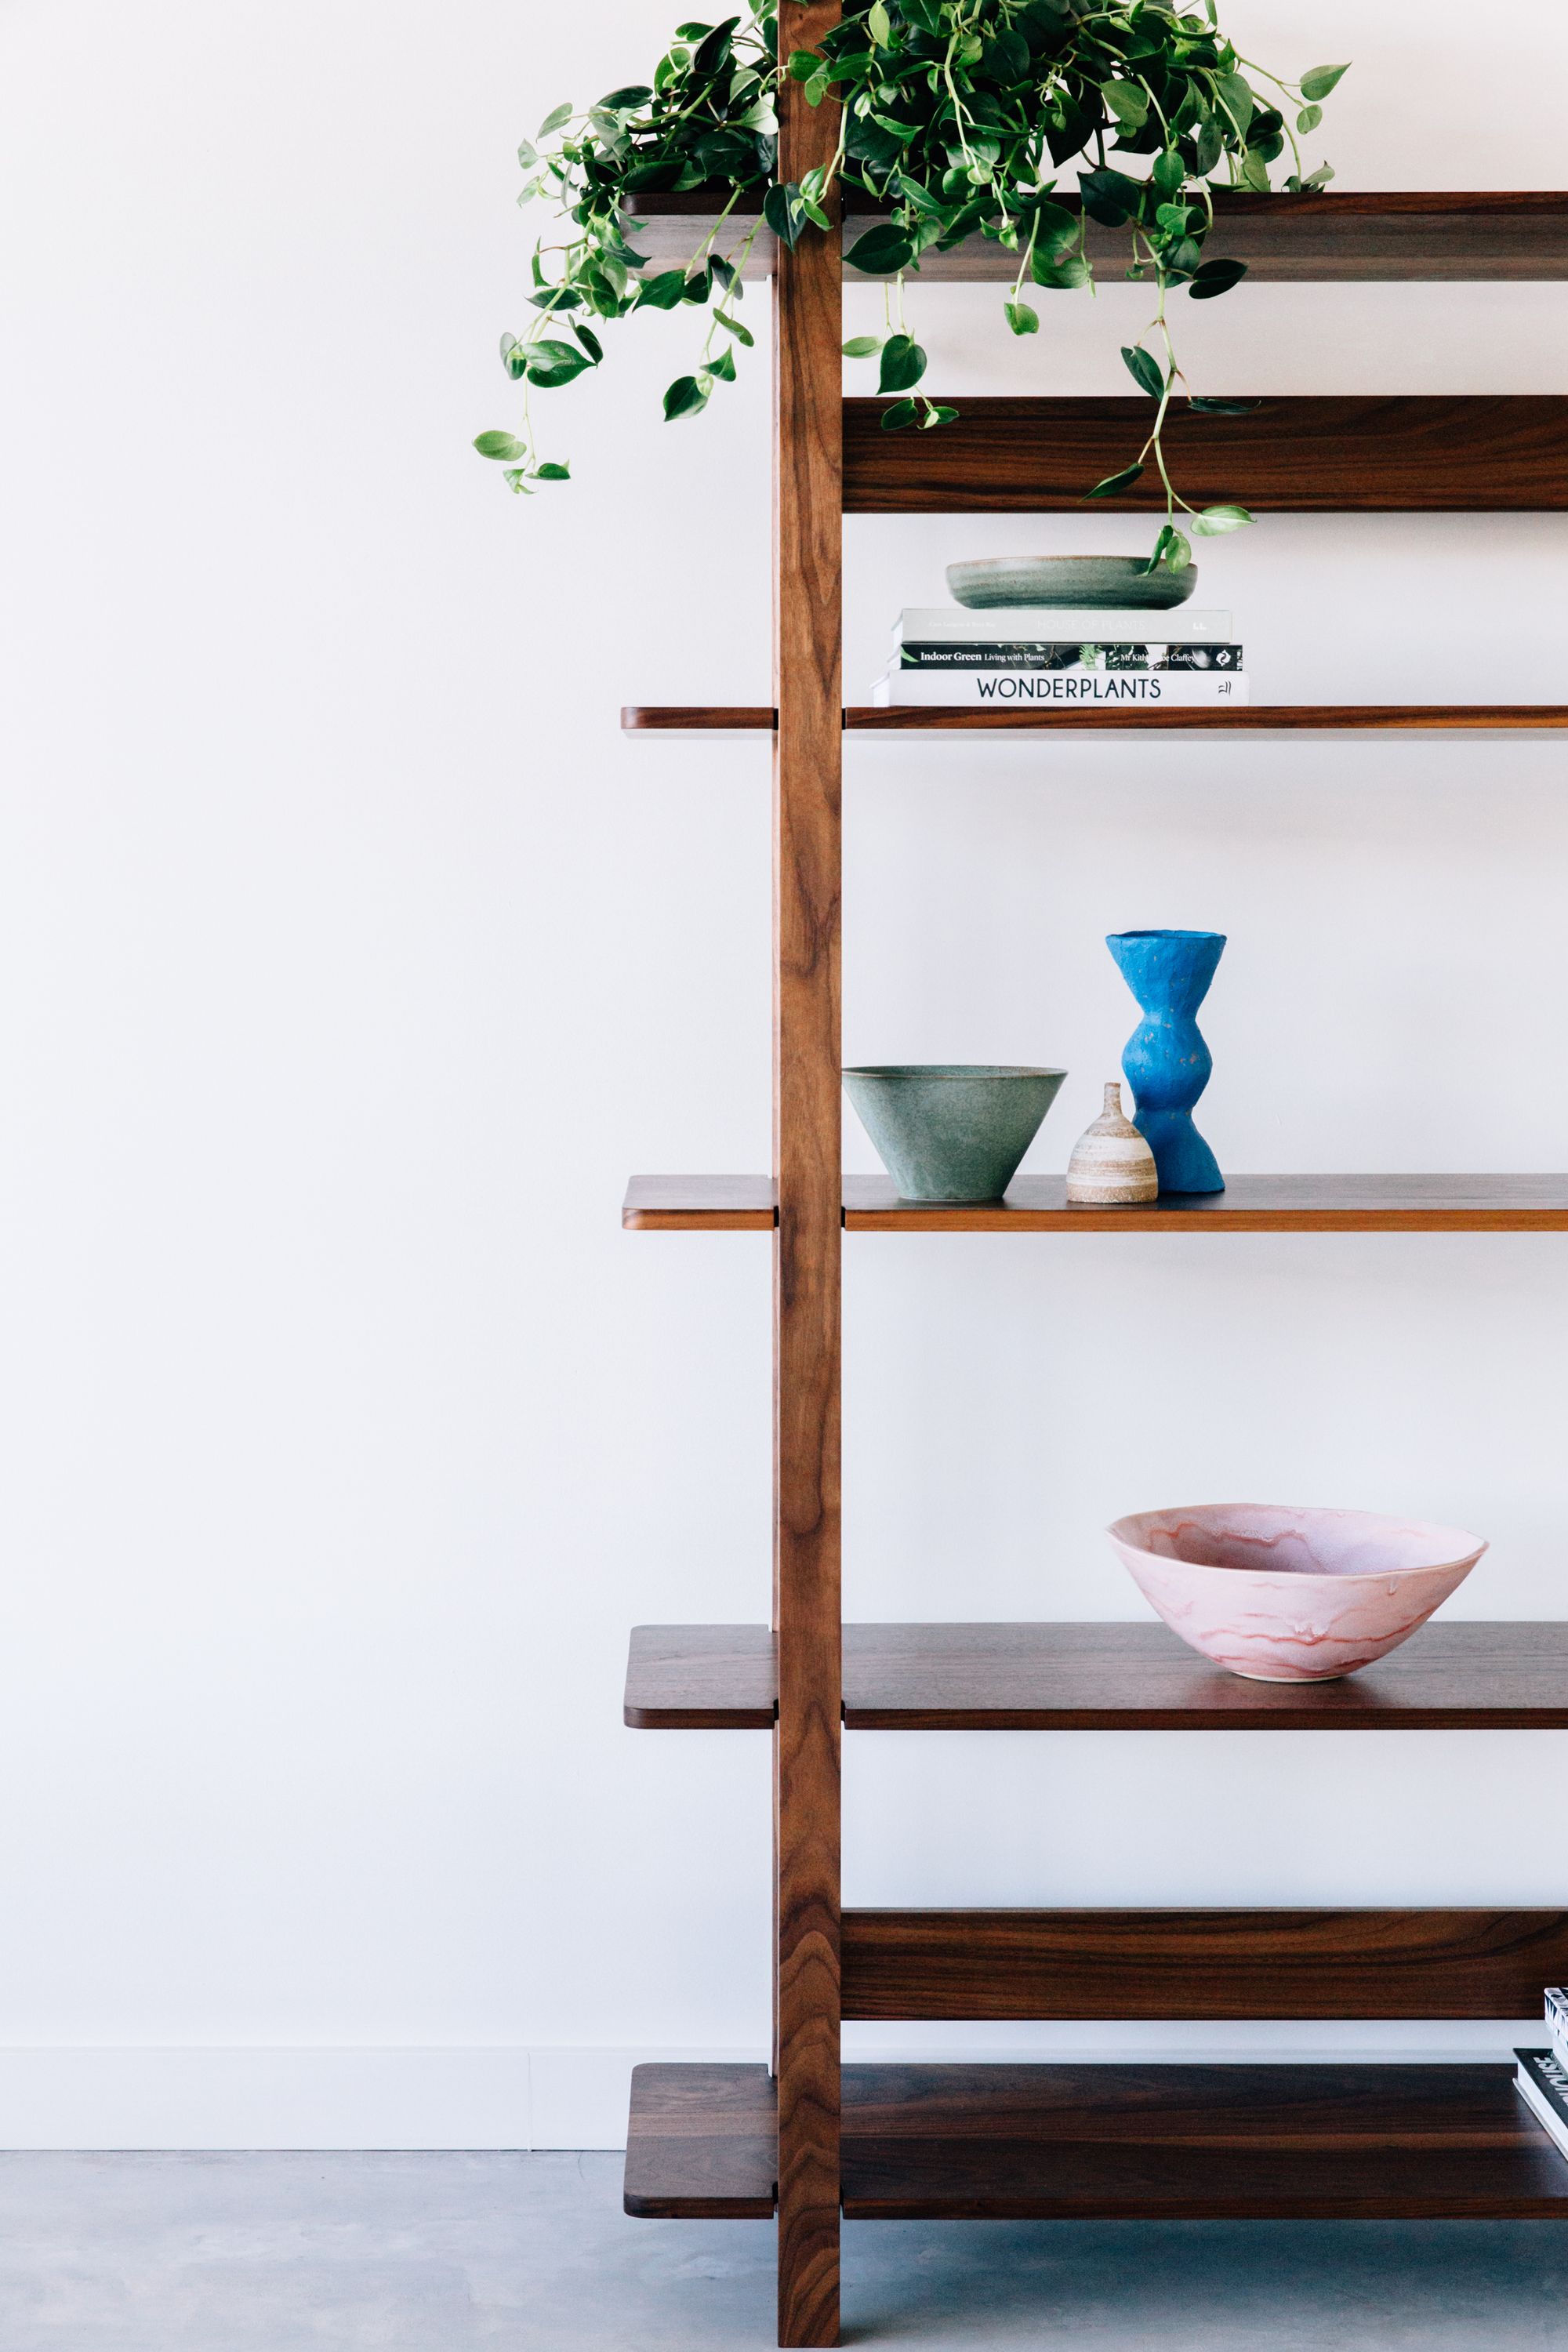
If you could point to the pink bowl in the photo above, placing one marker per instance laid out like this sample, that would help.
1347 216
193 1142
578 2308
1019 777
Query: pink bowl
1289 1596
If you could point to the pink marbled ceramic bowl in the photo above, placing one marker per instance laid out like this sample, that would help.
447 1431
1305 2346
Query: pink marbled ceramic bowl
1289 1596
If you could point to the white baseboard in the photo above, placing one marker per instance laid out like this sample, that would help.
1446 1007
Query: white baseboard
545 2098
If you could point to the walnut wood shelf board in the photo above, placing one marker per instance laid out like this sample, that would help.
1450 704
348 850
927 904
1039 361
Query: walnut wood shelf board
1255 718
1453 1675
1390 454
1209 1965
1037 1204
702 2143
1116 2143
1338 238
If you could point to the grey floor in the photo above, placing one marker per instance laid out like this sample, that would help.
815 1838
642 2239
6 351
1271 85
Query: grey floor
445 2253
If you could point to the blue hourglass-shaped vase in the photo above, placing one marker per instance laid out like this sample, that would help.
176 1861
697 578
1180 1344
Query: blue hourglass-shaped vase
1167 1062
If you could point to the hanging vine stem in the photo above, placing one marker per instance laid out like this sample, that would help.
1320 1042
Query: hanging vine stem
957 115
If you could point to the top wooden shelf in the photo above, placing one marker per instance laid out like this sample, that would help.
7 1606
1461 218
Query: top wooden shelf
1343 236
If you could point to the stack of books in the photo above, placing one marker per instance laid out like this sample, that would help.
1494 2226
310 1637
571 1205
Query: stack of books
1543 2075
1028 654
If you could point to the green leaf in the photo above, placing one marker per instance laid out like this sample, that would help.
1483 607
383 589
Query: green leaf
936 415
554 120
1022 319
1144 369
723 367
517 483
551 364
1128 104
589 341
528 155
861 346
904 363
1114 484
1109 197
784 212
501 445
1061 274
1223 407
685 397
661 293
1216 520
1176 554
880 26
882 252
1255 172
1236 100
902 412
742 335
555 473
1322 80
1170 172
628 100
1054 226
1309 118
1216 278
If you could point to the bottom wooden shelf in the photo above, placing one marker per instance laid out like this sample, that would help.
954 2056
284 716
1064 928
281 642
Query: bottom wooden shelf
1112 2143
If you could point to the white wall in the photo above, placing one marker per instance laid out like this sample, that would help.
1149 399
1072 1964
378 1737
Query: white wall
349 960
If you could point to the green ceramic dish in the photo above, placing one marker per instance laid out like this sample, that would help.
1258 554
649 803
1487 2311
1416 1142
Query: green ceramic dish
951 1130
1100 582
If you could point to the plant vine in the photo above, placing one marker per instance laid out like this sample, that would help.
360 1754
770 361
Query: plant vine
958 117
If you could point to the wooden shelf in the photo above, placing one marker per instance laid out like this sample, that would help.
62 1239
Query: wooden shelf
1451 1676
1038 1204
1162 1965
1114 2143
1266 718
1343 236
1390 454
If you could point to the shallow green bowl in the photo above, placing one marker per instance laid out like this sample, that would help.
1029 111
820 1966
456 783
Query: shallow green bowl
951 1130
1100 582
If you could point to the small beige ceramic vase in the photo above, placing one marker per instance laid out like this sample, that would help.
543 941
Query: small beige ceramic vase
1112 1166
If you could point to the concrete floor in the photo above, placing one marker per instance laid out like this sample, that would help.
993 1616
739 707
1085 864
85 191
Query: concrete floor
447 2254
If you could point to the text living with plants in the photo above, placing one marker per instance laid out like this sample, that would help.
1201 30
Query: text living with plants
959 118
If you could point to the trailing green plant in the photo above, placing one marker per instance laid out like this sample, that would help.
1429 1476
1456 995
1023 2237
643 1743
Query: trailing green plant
958 117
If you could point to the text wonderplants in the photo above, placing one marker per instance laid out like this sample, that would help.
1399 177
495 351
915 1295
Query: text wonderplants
958 118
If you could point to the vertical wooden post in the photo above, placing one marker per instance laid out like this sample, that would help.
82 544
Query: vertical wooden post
807 1609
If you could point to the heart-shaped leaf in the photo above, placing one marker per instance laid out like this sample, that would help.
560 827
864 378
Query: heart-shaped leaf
904 363
882 252
1216 278
1215 521
1322 80
685 397
1022 319
1144 369
1114 484
501 445
902 412
861 346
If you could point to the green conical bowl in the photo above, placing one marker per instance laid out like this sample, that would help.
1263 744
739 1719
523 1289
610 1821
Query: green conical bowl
951 1130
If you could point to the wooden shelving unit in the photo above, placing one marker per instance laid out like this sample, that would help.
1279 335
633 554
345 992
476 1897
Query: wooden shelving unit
807 2138
1285 718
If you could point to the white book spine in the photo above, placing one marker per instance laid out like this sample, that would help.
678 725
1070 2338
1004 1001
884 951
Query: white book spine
1557 2020
1542 2081
957 624
1062 689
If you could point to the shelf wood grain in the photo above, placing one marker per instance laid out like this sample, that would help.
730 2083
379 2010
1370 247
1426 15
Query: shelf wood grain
1343 236
702 2143
1116 2143
1212 1965
1452 1675
1038 1204
1255 718
1392 454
